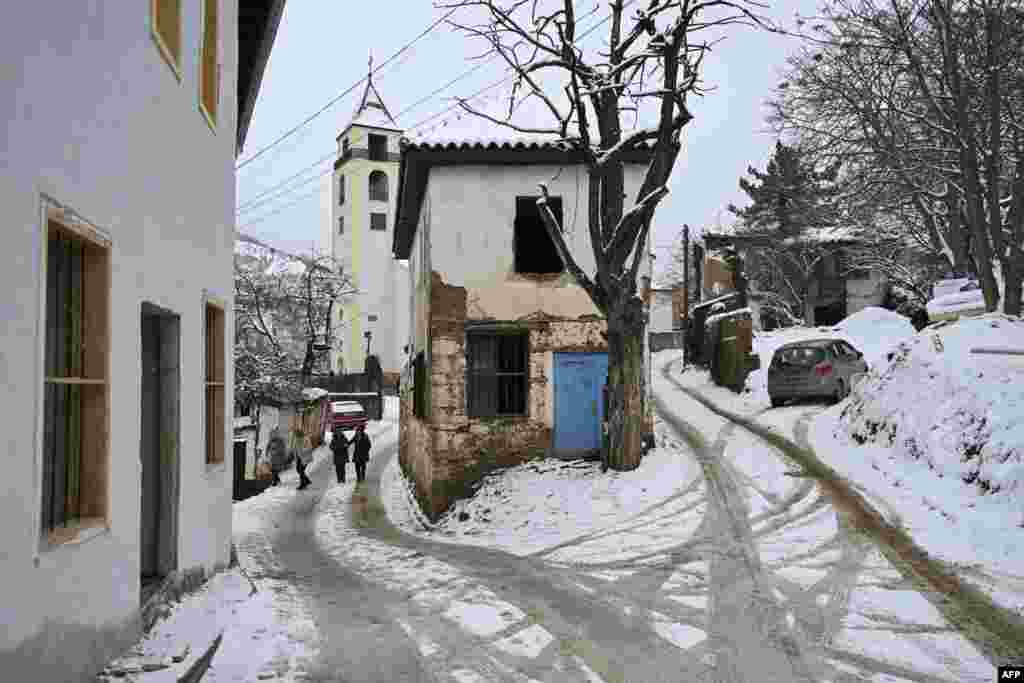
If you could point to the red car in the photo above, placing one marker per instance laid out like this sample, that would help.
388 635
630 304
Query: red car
346 415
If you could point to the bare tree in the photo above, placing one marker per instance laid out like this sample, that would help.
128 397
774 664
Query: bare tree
285 321
928 95
651 60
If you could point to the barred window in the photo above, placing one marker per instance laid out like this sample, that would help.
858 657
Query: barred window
496 374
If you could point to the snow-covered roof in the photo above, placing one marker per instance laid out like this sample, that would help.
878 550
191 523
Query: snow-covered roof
956 304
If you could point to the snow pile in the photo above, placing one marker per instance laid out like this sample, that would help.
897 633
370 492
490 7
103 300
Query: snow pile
873 331
956 303
542 504
972 424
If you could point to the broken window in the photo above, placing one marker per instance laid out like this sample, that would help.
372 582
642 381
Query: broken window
378 186
419 386
534 250
378 221
378 147
496 374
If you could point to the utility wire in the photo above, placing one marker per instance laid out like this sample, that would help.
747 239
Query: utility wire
334 100
280 209
250 202
286 191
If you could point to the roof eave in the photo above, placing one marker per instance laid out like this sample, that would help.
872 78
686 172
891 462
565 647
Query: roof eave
248 101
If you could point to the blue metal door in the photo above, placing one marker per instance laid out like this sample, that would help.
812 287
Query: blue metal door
579 404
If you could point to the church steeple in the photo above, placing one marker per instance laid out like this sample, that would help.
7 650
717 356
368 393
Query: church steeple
371 110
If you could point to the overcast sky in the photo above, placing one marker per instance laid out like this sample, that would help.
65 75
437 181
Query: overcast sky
322 49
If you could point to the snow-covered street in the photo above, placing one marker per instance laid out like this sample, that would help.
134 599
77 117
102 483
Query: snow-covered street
709 563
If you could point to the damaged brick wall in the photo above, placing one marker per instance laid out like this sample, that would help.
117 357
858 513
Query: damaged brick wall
448 453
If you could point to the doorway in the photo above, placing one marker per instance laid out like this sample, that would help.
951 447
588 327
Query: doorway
579 402
160 388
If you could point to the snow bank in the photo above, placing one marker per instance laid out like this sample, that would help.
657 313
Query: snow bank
939 432
972 424
955 304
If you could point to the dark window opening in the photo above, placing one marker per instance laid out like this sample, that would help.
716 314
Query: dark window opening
345 146
419 386
378 186
378 147
341 225
378 221
341 190
534 250
496 374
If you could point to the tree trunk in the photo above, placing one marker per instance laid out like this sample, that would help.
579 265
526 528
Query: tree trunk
1012 277
625 385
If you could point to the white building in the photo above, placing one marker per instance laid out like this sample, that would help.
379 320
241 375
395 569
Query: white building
122 124
359 208
509 357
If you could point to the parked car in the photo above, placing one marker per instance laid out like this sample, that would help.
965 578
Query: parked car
347 415
816 368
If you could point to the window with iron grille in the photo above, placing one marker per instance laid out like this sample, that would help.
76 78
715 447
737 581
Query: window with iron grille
378 145
496 374
378 186
378 221
341 190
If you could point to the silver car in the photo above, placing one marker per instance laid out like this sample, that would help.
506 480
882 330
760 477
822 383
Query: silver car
815 368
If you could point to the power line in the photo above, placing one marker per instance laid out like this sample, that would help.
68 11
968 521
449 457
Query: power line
287 191
249 202
280 209
334 100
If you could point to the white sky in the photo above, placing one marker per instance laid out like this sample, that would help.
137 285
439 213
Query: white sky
322 48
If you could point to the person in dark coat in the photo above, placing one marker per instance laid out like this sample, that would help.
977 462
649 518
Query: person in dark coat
277 452
339 447
360 452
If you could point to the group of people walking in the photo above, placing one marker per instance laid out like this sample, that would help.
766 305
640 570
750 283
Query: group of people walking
277 452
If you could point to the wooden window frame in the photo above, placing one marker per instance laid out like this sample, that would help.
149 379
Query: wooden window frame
85 508
384 222
209 63
214 381
167 51
496 374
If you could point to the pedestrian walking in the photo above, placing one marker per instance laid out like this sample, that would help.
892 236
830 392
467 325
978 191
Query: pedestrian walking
302 459
339 448
277 453
360 452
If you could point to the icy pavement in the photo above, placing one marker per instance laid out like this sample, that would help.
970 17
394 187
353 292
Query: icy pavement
709 563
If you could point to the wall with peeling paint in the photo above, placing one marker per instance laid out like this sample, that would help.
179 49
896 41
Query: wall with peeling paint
462 275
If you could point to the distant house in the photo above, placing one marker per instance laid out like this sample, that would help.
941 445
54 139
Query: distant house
507 354
122 126
834 291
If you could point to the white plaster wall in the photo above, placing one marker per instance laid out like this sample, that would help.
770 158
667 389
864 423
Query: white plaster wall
96 119
472 214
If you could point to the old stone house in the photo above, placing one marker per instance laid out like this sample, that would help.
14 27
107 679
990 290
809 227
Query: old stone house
123 122
507 354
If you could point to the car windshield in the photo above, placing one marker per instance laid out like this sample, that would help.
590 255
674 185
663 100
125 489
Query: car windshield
799 355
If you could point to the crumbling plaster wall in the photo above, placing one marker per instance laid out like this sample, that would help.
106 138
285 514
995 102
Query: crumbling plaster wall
462 270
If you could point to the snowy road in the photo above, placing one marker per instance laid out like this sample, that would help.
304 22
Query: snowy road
742 574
